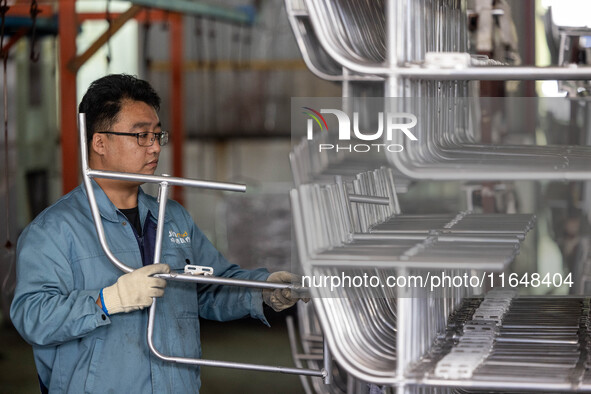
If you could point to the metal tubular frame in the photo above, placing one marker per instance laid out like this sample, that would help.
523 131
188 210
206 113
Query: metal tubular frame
412 343
422 342
564 162
415 71
312 260
295 19
165 182
369 199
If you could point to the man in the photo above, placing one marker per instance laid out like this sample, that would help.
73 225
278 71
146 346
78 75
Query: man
85 319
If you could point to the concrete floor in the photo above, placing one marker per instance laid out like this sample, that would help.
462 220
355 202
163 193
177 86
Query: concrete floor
17 370
241 341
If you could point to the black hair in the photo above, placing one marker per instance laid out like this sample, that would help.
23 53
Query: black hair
102 101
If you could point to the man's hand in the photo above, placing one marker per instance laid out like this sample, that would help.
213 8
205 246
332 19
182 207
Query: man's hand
280 299
135 289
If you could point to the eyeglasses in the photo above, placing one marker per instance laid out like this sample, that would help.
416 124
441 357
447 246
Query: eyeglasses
145 138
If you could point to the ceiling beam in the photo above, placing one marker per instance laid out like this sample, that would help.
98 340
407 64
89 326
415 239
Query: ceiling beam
75 64
244 15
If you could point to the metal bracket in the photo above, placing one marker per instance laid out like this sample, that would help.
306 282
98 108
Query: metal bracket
198 270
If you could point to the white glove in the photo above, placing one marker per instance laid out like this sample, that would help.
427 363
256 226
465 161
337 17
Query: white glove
280 299
135 289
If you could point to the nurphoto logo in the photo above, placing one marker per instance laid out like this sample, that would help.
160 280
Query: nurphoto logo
394 123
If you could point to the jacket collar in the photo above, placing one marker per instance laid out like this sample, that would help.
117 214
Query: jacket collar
147 203
109 211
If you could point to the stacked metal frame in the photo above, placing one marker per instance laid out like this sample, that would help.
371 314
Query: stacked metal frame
341 230
409 339
420 51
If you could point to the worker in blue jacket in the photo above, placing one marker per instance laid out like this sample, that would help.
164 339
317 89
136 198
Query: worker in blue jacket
85 319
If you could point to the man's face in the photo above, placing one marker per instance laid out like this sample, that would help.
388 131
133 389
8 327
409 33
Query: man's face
123 153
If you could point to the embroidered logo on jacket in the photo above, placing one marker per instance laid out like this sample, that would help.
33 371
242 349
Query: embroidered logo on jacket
179 238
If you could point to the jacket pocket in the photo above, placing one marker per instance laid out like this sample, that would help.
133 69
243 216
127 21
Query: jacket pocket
180 298
95 361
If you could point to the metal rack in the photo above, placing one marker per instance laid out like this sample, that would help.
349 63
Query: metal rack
362 324
413 340
427 61
512 343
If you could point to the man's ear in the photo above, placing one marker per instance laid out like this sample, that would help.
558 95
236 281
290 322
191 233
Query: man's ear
98 143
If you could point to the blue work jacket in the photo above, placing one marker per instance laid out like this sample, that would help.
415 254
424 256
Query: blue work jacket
61 268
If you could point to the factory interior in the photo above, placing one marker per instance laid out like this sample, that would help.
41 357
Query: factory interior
446 252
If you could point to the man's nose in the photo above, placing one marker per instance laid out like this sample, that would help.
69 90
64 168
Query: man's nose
155 148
